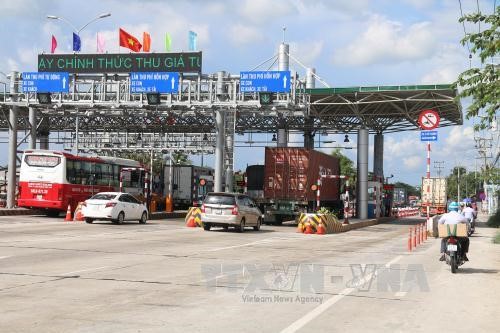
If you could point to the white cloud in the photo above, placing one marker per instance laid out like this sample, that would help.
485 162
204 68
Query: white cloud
241 34
386 41
413 162
260 11
445 65
401 146
306 52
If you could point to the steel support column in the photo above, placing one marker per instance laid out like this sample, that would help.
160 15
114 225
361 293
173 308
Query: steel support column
12 169
219 150
362 201
282 140
32 121
378 156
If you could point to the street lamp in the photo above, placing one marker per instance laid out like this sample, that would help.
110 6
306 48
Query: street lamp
54 17
387 179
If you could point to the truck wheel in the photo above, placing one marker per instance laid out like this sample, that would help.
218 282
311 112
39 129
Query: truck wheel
206 226
89 220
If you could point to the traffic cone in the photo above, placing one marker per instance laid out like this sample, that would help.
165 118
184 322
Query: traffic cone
191 222
321 229
308 229
78 214
68 214
409 242
300 228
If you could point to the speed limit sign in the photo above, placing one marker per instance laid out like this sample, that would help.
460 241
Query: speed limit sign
428 119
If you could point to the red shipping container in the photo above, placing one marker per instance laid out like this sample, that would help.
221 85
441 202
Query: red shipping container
290 172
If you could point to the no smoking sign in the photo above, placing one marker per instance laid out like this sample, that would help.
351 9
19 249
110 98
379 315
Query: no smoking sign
428 119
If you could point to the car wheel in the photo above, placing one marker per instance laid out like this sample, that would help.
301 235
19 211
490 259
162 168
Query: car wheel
144 218
89 220
206 226
257 227
241 227
120 218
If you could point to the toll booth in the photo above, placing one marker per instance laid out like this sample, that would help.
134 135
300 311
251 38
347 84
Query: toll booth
375 194
388 199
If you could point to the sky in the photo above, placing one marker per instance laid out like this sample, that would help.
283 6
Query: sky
350 43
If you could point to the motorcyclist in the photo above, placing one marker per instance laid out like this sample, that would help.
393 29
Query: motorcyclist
453 217
469 213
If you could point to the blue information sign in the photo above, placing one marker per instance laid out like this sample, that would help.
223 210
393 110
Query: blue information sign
428 136
46 82
149 82
265 81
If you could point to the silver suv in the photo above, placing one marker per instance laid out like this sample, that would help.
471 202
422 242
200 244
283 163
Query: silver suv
230 209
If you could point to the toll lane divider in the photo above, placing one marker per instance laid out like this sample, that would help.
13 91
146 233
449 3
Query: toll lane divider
193 217
417 236
405 211
309 223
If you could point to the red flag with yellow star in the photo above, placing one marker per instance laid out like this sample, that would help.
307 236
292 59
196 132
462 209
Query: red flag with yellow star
129 41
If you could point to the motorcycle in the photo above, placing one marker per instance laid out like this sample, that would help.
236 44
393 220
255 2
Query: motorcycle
453 253
471 226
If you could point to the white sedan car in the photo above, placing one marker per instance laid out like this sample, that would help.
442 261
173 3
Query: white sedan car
114 206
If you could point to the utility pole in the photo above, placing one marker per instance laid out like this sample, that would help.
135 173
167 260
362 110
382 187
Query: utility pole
439 165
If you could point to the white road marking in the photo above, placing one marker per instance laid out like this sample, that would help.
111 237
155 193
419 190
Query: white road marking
85 270
261 241
5 257
401 294
298 324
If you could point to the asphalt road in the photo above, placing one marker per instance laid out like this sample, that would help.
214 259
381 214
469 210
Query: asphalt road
163 277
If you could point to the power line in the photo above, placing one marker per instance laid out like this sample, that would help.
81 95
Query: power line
439 165
465 33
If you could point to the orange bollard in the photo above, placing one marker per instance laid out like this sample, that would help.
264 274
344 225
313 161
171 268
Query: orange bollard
425 234
421 233
414 239
68 215
409 242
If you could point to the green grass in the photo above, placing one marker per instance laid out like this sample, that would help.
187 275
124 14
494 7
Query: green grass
496 240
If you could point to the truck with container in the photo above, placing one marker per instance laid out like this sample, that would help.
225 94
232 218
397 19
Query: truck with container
433 196
285 186
190 184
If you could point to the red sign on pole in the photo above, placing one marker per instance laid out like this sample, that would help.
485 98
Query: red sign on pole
428 120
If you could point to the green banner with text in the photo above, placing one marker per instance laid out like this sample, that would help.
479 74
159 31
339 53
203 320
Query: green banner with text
189 62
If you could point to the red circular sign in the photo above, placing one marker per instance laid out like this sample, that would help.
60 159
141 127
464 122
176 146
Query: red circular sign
428 119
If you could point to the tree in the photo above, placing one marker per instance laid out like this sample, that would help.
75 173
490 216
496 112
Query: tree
346 165
410 190
482 84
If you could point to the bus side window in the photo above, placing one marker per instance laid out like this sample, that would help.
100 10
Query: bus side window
77 169
98 174
116 175
70 172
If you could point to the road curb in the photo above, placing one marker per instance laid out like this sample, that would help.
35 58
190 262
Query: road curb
165 215
19 211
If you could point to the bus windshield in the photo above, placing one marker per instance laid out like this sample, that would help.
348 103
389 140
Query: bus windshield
42 161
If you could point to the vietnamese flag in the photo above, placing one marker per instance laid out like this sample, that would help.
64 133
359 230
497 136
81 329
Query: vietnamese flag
146 42
129 41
